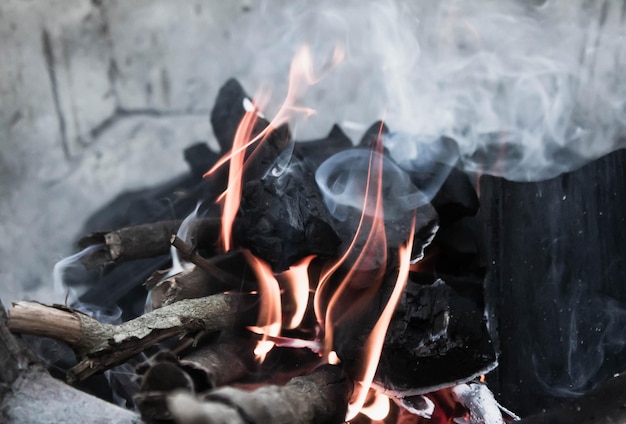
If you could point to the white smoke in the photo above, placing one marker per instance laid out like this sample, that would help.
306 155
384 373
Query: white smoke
527 89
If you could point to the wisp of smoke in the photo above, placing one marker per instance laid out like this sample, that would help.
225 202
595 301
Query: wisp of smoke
527 89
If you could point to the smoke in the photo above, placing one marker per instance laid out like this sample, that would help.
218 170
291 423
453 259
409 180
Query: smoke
527 89
343 180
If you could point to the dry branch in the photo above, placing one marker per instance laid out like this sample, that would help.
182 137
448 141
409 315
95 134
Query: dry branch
101 346
320 397
195 282
28 394
144 241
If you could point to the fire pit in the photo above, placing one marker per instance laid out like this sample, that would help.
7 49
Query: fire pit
349 278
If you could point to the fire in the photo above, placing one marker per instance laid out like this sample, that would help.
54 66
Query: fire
374 249
361 282
296 281
376 338
269 321
232 195
378 409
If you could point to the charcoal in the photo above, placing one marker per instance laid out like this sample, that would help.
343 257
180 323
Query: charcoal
200 158
456 198
315 152
459 247
373 133
436 339
282 218
225 118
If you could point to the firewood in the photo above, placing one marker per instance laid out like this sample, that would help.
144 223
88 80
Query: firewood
226 360
28 394
196 282
144 241
101 346
320 397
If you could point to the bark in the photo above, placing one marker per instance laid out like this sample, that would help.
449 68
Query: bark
28 394
320 397
196 282
101 346
144 241
227 360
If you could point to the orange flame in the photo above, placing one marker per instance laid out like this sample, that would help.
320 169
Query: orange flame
378 409
375 340
374 247
232 196
269 321
301 76
296 278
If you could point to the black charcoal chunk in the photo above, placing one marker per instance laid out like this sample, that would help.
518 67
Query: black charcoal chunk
314 152
282 218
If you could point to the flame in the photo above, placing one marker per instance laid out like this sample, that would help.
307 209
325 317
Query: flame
375 340
269 321
232 195
296 278
301 76
378 409
375 246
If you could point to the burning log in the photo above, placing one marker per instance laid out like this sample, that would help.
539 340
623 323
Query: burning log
144 241
102 346
28 394
320 397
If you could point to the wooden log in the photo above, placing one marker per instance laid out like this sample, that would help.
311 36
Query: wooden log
320 397
28 394
226 360
196 282
102 346
144 241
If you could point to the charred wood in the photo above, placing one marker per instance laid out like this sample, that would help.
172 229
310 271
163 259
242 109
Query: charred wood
436 339
314 152
320 397
101 346
205 368
196 282
228 112
282 217
144 241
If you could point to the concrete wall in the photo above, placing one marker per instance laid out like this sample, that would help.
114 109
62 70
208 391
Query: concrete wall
101 96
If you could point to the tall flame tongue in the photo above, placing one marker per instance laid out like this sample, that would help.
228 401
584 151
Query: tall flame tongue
296 283
375 340
232 195
270 320
374 251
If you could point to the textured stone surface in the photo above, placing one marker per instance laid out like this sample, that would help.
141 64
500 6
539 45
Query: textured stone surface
101 96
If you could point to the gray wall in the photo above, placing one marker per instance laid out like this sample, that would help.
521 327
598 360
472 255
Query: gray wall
101 96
